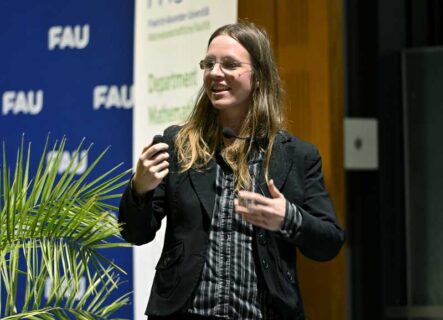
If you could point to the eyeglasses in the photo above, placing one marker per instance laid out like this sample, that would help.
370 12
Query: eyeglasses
226 65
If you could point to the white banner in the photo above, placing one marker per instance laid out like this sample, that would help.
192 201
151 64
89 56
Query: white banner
170 39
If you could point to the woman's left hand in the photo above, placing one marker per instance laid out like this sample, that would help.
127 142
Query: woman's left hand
267 213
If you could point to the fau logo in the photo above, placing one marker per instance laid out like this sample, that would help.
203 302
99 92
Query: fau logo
112 97
73 37
81 290
16 102
79 161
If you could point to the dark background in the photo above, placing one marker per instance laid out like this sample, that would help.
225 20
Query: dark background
376 34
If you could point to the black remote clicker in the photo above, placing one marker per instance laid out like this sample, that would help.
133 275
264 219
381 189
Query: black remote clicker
158 138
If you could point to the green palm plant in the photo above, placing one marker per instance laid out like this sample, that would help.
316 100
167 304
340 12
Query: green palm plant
56 226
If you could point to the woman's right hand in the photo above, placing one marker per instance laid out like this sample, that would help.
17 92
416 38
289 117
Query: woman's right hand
152 167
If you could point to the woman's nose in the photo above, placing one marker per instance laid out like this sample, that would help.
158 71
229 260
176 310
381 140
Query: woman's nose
216 70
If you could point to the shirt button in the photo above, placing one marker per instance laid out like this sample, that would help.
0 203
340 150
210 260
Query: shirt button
290 276
265 264
166 261
262 239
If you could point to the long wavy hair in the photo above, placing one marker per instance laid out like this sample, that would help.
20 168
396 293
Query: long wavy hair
201 135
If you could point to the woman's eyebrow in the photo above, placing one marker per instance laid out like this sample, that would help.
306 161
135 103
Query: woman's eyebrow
225 57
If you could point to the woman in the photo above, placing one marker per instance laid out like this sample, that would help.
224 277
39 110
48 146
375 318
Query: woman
239 193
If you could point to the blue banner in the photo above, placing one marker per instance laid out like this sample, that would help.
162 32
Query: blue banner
66 69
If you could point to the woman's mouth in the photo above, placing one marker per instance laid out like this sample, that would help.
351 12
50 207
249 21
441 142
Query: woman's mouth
219 88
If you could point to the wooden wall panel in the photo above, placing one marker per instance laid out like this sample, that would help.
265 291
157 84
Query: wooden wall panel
307 40
262 13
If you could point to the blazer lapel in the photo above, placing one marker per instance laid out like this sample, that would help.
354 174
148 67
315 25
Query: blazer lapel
280 164
203 183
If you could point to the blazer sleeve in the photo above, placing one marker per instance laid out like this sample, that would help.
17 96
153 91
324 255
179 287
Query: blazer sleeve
319 236
141 218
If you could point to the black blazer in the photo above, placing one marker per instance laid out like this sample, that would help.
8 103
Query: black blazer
187 200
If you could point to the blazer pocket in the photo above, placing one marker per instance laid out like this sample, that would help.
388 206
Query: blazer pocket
167 271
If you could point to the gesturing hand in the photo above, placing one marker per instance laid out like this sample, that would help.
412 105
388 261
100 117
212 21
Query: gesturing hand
268 213
152 167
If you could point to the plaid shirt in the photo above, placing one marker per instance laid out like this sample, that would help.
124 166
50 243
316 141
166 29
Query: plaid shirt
230 286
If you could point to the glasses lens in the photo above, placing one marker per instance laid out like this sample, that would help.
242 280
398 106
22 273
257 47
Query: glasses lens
227 65
230 65
207 64
202 64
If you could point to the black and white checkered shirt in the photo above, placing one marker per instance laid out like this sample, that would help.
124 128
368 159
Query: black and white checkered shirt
231 286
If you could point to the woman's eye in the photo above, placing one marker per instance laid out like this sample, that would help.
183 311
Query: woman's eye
230 65
210 64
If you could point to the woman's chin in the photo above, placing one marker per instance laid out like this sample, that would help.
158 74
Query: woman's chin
220 105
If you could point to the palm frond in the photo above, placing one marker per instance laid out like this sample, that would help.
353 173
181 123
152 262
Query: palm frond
56 226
